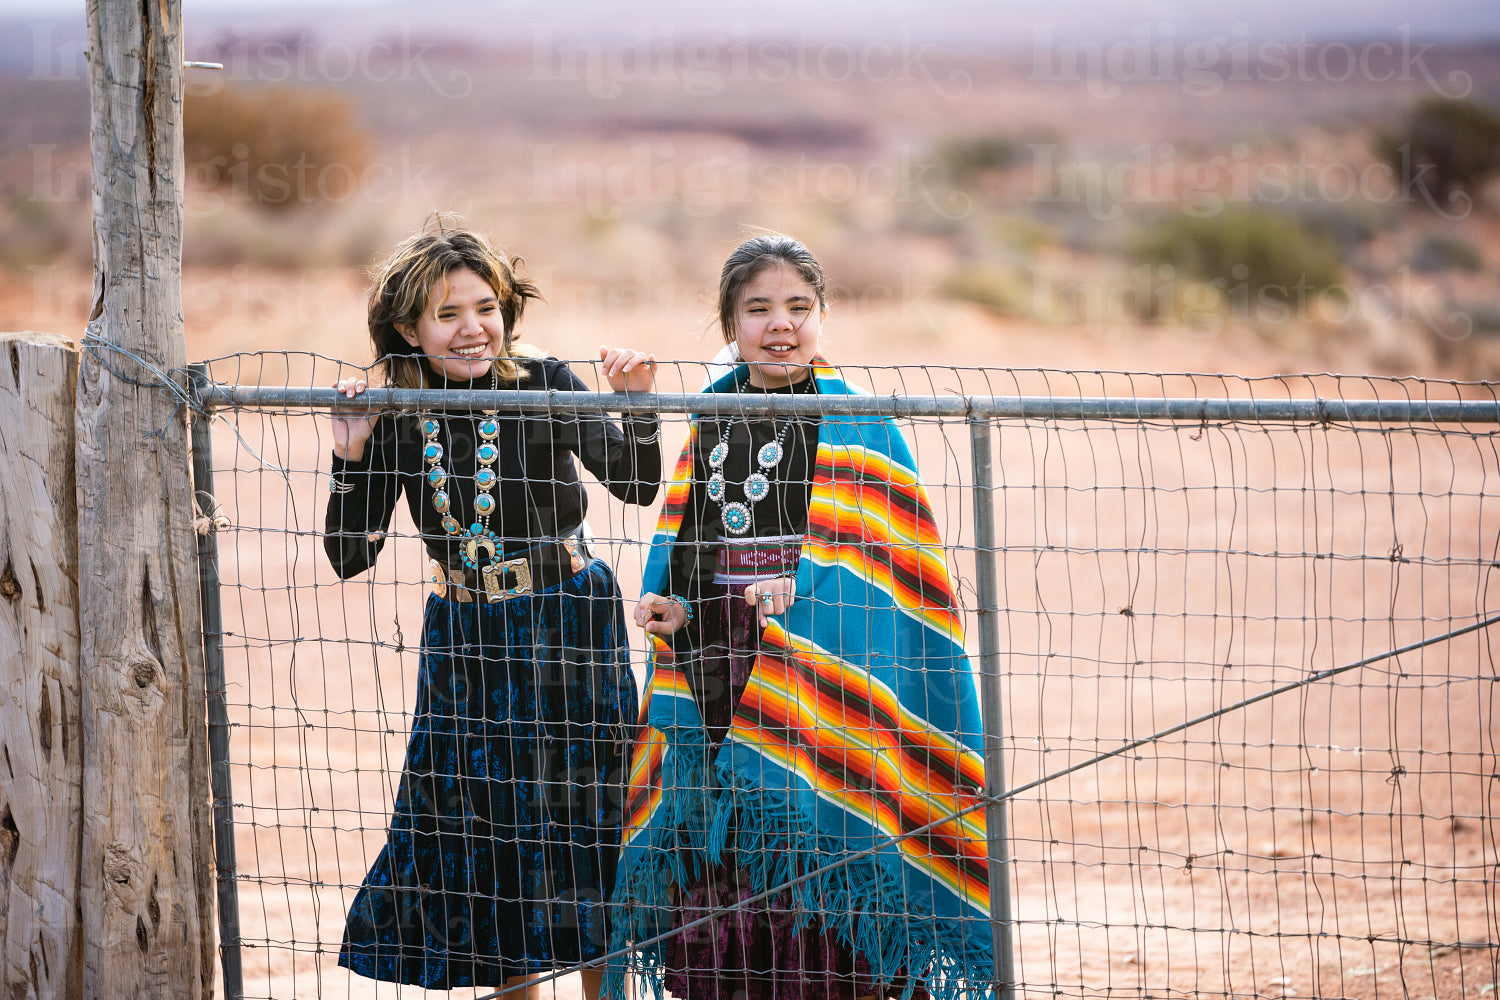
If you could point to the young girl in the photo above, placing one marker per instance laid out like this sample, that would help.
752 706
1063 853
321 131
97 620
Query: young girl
505 834
810 710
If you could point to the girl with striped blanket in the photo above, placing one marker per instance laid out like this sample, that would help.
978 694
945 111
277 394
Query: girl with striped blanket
804 813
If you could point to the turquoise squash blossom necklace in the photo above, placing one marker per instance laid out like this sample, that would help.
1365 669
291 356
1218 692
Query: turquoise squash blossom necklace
478 536
737 516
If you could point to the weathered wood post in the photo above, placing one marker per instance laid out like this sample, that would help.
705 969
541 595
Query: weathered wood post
41 760
146 860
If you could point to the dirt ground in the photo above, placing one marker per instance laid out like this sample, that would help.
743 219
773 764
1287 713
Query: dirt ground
1337 840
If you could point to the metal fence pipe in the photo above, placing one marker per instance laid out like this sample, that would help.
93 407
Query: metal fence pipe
217 709
1175 409
988 612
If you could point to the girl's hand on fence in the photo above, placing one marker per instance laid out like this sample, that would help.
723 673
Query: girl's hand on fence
660 615
352 431
771 597
628 370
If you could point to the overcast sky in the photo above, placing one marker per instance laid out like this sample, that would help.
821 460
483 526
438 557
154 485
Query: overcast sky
981 21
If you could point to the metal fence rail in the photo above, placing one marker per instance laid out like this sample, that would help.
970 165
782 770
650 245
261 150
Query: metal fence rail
1237 681
1314 411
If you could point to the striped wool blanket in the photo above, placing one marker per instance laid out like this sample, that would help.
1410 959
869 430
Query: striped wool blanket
852 764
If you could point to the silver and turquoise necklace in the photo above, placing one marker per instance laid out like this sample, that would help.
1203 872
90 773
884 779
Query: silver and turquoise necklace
478 535
737 516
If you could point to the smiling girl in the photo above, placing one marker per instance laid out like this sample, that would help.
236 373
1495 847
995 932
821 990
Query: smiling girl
504 836
803 811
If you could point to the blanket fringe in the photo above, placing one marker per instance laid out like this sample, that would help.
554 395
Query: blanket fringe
862 901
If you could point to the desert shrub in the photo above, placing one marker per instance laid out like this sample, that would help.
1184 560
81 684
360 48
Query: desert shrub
1348 224
275 148
1483 318
39 233
1444 151
1269 256
965 158
998 289
1025 235
1438 252
805 133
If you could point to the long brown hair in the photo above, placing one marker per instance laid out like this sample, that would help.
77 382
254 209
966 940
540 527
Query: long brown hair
404 280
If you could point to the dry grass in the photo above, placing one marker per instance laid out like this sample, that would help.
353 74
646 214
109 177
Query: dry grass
277 148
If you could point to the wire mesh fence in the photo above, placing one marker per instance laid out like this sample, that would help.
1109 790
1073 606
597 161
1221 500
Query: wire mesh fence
1244 741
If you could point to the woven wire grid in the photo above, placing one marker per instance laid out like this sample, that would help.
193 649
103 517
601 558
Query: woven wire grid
1337 840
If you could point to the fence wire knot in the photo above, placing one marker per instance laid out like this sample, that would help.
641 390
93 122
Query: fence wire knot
212 516
181 386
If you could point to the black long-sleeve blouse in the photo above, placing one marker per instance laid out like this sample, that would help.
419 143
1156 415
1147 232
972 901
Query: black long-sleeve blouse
538 494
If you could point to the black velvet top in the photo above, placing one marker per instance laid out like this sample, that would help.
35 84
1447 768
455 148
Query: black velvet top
538 494
783 512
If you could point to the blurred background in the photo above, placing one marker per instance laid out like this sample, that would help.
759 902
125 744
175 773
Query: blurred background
1249 188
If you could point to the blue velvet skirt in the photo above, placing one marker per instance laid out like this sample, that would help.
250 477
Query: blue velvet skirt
506 829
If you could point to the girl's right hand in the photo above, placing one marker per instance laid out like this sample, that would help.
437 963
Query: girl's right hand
660 615
351 432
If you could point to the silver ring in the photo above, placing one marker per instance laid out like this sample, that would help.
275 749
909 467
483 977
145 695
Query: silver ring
765 598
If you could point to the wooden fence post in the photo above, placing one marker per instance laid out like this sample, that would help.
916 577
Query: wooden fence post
41 762
146 868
